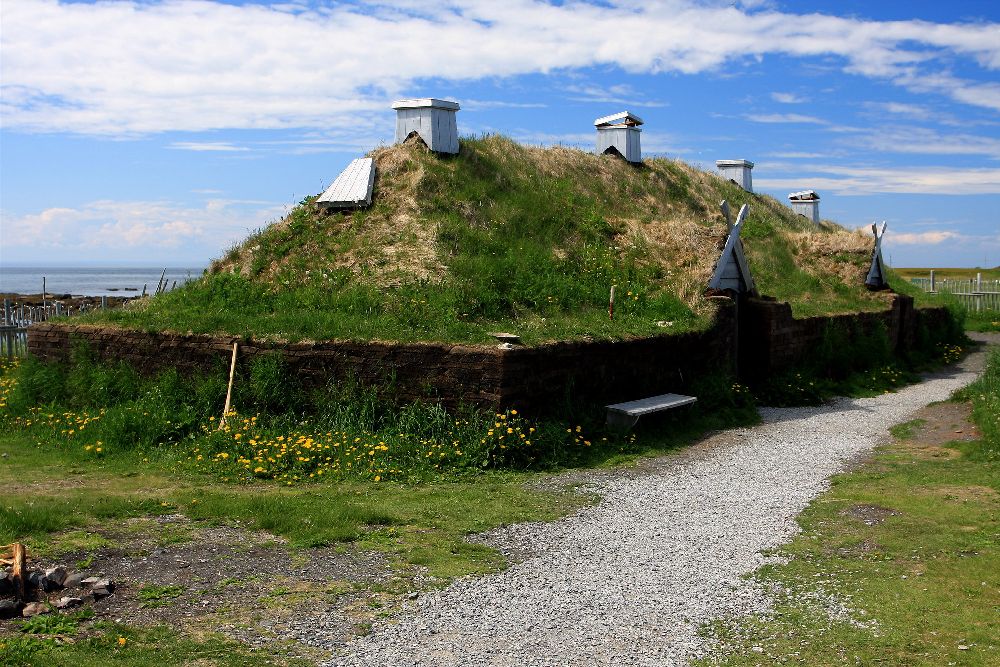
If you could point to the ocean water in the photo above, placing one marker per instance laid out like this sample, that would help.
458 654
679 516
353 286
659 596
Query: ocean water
90 281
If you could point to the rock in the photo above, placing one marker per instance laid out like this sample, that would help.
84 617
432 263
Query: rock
55 577
6 583
35 580
35 609
9 609
102 589
67 602
74 580
90 581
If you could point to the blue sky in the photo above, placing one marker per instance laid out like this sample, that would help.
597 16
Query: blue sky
161 132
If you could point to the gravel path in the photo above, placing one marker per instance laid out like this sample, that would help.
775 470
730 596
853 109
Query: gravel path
628 581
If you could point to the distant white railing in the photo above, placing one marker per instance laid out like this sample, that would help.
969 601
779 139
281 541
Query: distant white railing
975 294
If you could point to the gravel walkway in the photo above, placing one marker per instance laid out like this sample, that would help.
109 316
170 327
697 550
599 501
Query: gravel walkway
628 581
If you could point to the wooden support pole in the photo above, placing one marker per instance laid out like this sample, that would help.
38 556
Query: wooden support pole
229 390
611 304
18 571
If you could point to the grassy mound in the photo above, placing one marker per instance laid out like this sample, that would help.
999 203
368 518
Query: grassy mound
510 237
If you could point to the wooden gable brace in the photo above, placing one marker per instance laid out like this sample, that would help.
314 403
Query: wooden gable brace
732 272
877 278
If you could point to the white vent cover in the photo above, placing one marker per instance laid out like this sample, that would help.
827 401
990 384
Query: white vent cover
738 171
619 133
432 119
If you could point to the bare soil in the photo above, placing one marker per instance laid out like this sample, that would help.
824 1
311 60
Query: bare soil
200 578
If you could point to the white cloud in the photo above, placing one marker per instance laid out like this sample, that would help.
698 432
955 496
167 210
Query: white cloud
918 140
785 118
788 98
850 180
479 105
136 229
798 155
915 111
119 68
923 238
209 146
614 94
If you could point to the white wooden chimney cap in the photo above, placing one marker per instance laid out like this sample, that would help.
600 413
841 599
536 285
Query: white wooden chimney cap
625 118
734 163
423 102
804 195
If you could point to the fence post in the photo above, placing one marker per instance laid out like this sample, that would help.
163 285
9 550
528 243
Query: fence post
979 282
104 303
932 280
6 312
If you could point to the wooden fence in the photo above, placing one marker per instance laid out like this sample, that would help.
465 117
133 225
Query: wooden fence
13 341
15 318
22 315
975 294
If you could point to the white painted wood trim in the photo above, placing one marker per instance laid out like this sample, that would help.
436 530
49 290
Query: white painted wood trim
352 188
623 115
732 253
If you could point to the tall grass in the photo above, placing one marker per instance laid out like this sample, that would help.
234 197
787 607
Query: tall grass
501 237
281 431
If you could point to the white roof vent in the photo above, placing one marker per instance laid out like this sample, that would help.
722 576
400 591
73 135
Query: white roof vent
806 204
804 195
619 133
432 119
738 171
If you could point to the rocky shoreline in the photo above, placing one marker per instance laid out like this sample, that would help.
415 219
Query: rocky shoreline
67 300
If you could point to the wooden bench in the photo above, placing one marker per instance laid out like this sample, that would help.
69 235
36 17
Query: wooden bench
625 415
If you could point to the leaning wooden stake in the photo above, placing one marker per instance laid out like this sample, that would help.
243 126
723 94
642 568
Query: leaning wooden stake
18 572
17 559
611 304
229 390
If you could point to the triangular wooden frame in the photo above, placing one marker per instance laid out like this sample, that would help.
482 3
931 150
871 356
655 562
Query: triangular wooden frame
732 271
876 278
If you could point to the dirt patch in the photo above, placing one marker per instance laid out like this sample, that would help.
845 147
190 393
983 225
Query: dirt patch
249 585
945 422
966 493
870 515
863 548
